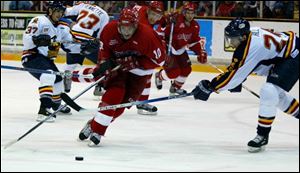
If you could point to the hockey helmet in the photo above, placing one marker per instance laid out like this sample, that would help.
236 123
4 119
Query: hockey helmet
128 23
128 17
237 28
56 5
157 6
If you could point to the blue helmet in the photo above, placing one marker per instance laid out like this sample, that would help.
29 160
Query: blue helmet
237 27
57 5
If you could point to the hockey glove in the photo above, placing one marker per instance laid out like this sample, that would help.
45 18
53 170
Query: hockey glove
171 17
202 57
202 90
103 68
237 89
41 40
127 63
53 50
169 61
89 46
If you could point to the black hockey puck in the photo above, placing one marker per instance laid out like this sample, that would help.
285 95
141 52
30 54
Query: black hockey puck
79 158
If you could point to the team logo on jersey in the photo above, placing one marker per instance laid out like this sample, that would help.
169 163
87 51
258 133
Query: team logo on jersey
113 42
46 29
242 25
181 25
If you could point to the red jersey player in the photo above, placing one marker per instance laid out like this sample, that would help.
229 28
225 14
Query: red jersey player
185 36
138 49
149 15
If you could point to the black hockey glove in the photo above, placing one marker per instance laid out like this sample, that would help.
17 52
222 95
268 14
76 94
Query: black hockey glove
237 89
41 40
104 68
89 46
202 90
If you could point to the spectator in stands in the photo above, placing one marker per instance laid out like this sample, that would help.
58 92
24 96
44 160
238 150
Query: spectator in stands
37 5
204 8
225 8
250 8
105 5
116 6
288 9
278 10
296 10
267 12
20 5
239 10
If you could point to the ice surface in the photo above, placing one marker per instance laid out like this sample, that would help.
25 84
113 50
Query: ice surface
186 135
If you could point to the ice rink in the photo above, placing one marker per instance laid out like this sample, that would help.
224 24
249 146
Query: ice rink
186 135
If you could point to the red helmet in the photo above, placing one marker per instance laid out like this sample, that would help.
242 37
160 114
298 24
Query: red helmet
190 6
128 17
157 6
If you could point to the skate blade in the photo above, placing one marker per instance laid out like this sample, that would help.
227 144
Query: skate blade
173 94
92 145
42 118
144 112
256 149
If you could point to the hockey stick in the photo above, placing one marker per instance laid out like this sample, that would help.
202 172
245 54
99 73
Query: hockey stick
70 42
246 88
78 108
65 105
32 70
171 32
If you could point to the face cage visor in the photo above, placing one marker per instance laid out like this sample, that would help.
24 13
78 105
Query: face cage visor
233 41
127 31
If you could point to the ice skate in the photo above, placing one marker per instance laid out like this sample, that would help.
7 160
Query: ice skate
67 81
158 82
174 91
258 144
146 109
64 111
94 140
45 113
98 92
86 131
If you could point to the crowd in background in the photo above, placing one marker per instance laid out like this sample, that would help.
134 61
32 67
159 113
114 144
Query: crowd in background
271 9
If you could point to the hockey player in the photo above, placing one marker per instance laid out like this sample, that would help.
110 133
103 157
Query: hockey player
259 50
41 45
90 21
149 15
138 49
185 36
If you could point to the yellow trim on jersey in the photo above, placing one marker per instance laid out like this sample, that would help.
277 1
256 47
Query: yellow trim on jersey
247 50
289 44
46 89
56 97
293 107
221 85
63 23
265 121
80 34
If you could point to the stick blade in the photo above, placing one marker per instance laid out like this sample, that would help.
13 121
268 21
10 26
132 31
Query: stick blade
10 143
